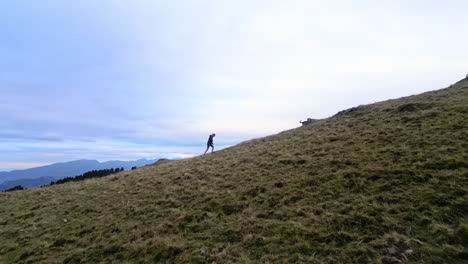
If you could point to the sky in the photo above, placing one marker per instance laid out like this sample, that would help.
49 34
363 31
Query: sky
124 80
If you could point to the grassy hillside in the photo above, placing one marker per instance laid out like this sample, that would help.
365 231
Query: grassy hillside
381 183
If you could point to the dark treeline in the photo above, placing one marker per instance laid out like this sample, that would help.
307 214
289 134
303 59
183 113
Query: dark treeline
16 188
87 175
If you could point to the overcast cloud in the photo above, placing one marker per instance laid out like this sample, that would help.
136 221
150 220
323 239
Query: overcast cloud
117 79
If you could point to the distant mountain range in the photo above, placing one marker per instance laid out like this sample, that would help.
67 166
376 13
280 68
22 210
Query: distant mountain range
38 176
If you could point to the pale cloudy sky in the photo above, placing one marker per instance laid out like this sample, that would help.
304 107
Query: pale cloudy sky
119 79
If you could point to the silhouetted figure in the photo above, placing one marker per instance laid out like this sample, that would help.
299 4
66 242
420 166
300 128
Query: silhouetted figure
210 143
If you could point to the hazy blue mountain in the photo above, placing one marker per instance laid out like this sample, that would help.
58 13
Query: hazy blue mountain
26 183
64 169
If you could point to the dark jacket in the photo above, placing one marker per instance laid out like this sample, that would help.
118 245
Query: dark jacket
210 141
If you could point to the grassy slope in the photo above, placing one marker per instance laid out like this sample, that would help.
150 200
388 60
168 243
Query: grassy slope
384 183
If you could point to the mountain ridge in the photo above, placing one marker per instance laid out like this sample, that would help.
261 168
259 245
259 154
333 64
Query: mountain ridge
29 177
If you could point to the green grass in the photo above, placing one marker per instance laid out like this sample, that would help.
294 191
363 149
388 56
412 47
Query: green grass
382 183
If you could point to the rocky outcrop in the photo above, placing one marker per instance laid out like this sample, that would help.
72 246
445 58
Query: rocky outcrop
308 121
